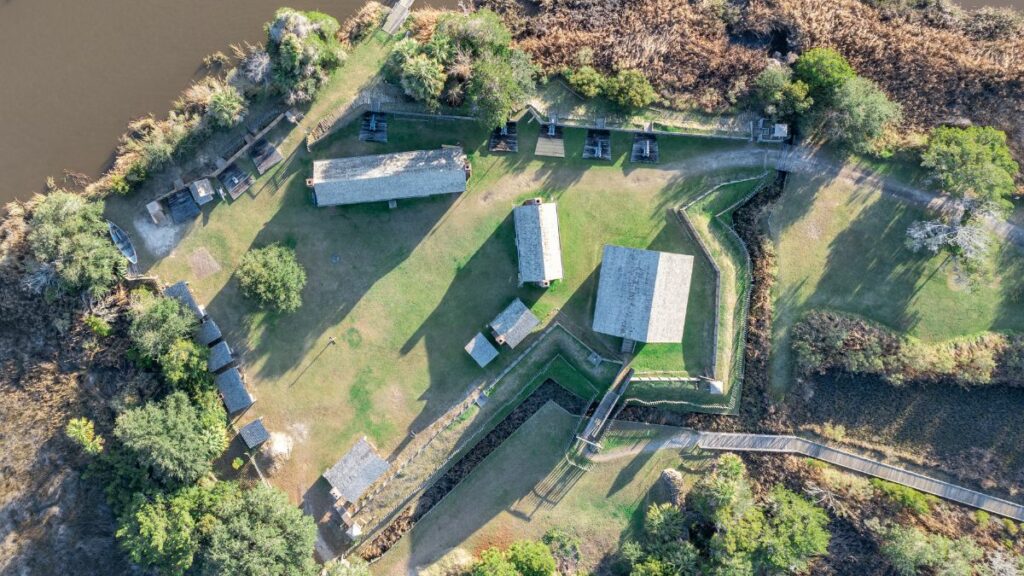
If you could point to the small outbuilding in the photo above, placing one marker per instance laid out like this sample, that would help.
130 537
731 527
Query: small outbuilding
254 434
481 349
182 207
389 177
220 357
514 324
642 294
183 294
537 243
233 391
355 472
202 191
208 333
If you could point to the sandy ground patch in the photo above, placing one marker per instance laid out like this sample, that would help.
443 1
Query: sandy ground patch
203 264
159 240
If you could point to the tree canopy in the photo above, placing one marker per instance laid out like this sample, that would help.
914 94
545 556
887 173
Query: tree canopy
973 163
500 84
69 233
824 71
303 49
156 323
273 277
260 533
531 558
630 89
779 95
860 113
174 439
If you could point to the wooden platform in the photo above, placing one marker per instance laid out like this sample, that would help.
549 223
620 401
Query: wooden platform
264 155
598 145
235 180
645 148
374 127
507 141
550 145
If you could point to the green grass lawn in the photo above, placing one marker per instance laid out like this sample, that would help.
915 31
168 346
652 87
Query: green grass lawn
525 488
403 290
841 246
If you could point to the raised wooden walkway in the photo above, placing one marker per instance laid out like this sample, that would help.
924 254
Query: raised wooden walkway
795 445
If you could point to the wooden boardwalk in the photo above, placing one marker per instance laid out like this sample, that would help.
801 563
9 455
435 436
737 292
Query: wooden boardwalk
794 445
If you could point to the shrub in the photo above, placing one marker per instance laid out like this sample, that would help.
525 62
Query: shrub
585 80
797 532
173 438
909 550
227 107
184 366
401 52
860 114
83 433
273 277
917 502
303 49
500 85
478 32
973 163
531 558
156 323
779 96
422 79
99 326
824 71
163 533
630 89
565 548
70 234
493 562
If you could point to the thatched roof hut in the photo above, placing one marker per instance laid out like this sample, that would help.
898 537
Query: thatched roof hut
642 294
389 177
537 243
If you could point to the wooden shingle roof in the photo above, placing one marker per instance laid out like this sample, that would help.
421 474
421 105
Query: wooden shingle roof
220 357
232 390
356 471
254 433
537 243
642 294
514 324
386 177
208 332
481 349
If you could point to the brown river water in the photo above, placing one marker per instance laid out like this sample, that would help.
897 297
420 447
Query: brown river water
74 72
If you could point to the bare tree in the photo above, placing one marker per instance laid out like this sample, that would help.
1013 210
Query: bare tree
967 239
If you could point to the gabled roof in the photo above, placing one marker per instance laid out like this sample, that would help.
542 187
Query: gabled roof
540 252
182 293
389 176
642 294
481 349
208 332
220 357
254 433
514 324
233 391
356 471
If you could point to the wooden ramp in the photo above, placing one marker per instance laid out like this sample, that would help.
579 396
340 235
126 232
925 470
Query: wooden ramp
794 445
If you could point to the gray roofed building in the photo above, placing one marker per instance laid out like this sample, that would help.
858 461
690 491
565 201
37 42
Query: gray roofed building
220 357
537 243
355 472
514 324
642 294
388 177
254 433
481 349
232 390
208 333
182 293
202 191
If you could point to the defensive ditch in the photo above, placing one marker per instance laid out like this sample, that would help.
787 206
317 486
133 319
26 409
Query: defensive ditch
549 390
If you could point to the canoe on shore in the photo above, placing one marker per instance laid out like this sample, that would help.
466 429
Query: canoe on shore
123 242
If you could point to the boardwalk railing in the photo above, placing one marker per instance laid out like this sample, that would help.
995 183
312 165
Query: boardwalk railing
795 445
